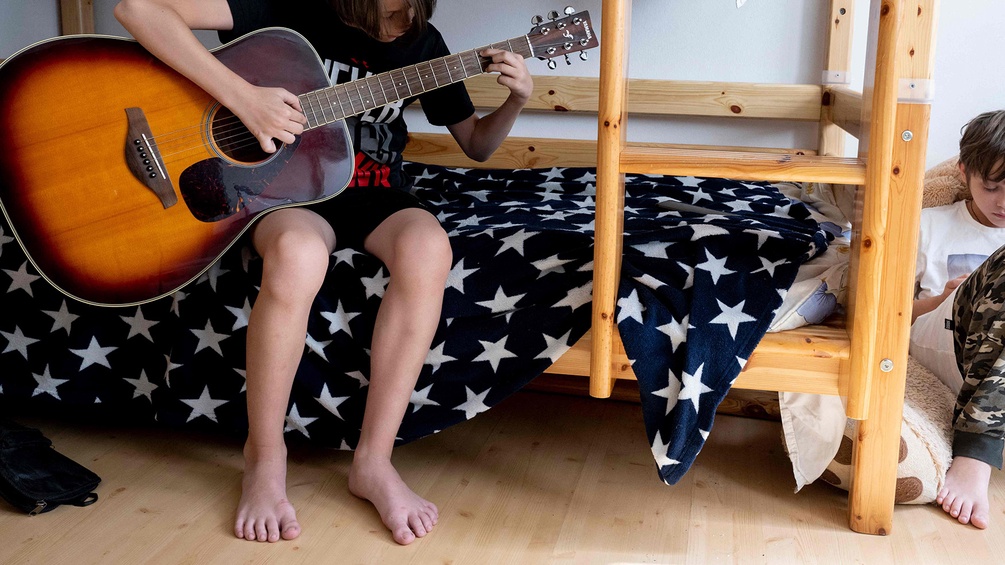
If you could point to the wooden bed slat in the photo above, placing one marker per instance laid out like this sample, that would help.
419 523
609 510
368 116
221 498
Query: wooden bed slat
743 165
800 102
811 359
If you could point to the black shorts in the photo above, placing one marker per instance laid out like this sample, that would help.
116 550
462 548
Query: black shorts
357 211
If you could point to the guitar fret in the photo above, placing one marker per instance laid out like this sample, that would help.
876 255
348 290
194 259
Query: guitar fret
339 100
349 100
394 84
450 79
359 96
380 83
433 73
372 102
309 112
317 98
418 77
328 99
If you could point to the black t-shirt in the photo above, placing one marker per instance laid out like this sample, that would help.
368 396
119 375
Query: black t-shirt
379 135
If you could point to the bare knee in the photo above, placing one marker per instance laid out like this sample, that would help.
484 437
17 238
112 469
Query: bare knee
426 254
294 265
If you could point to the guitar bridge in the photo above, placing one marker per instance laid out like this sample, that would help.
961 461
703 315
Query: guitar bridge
144 160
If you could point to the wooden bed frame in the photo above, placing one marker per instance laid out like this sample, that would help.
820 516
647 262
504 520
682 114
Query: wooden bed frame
864 357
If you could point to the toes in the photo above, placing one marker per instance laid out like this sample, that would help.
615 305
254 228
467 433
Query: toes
427 522
965 510
261 534
403 535
239 528
272 527
957 505
418 528
980 519
291 530
249 530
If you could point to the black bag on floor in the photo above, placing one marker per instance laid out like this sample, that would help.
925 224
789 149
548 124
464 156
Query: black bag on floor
36 478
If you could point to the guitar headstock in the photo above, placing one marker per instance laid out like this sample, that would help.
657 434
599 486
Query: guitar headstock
562 36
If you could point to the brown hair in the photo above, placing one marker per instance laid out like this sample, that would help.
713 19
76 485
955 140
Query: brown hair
366 15
982 147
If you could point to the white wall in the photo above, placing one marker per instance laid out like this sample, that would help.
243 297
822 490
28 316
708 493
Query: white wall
764 41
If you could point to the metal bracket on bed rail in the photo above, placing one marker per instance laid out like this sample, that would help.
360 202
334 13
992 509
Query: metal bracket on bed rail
916 91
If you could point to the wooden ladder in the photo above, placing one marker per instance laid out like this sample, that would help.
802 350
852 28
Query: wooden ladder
889 170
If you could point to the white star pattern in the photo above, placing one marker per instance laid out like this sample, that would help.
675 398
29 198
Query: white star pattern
138 325
339 319
420 398
660 452
317 346
715 267
555 348
143 386
677 332
21 279
294 421
501 302
330 403
94 354
515 242
474 405
377 284
732 317
457 275
671 392
630 308
577 297
205 405
241 315
436 357
208 338
693 387
62 319
345 255
17 341
494 352
47 384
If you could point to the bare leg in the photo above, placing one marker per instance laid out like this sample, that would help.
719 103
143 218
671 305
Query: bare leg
965 494
416 251
295 245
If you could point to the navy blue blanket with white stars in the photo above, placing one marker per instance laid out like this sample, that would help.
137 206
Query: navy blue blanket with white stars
697 292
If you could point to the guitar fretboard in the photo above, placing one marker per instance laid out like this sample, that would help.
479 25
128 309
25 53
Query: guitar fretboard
328 105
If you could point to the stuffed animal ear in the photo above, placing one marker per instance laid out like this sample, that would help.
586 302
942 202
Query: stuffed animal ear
944 184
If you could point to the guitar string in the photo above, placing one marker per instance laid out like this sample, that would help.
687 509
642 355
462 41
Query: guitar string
244 138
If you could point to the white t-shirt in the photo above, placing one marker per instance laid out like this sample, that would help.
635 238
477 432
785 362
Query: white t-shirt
951 243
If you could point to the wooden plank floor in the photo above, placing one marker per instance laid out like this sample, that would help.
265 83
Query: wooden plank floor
539 479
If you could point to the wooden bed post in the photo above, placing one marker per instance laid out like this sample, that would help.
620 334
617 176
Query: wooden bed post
610 206
836 72
76 16
883 255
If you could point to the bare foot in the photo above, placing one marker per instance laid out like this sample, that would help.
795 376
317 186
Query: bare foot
965 495
264 513
405 513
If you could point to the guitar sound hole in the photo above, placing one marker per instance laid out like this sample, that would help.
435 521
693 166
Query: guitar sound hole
235 141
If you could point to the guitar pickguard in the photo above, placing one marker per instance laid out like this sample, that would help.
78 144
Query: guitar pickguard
215 189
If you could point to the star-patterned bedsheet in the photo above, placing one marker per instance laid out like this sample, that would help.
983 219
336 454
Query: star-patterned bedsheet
697 293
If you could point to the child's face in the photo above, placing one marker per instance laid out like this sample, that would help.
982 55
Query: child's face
989 200
396 19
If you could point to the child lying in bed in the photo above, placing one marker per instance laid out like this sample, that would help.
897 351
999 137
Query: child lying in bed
960 304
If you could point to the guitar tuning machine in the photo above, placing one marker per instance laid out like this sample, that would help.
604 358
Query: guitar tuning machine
569 10
553 15
582 55
552 64
567 61
537 20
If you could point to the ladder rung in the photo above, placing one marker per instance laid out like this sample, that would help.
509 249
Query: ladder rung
742 165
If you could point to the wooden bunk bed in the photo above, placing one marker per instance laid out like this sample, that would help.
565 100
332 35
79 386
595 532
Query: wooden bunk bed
862 357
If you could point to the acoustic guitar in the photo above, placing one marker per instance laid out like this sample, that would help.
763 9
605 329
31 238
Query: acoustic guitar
123 181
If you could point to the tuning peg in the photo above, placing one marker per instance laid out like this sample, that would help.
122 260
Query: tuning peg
537 20
552 64
569 10
583 56
553 15
567 61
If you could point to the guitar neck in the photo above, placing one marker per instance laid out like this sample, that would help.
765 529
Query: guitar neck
328 105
